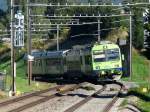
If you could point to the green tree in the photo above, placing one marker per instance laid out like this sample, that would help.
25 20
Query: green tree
138 28
137 24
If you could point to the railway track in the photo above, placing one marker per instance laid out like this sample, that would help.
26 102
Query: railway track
7 102
55 92
90 97
82 102
108 107
43 98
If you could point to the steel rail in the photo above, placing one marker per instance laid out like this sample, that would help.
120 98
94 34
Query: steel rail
7 102
82 102
134 105
72 5
113 101
46 98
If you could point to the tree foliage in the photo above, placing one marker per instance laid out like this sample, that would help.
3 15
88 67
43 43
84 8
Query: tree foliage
114 35
92 28
138 28
137 24
87 29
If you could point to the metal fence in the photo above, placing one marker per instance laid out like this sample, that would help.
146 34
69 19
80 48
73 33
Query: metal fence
2 81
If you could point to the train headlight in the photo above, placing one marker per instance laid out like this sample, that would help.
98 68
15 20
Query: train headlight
102 72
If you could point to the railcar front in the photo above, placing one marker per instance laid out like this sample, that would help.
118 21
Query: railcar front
106 61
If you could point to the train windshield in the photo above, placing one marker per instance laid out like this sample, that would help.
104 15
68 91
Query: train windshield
99 56
112 54
106 55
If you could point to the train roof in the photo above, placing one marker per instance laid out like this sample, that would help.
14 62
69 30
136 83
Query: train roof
48 54
104 45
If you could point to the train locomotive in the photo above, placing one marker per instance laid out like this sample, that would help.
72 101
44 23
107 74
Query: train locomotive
102 61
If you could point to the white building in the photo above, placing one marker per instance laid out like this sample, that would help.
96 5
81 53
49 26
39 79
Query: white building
146 32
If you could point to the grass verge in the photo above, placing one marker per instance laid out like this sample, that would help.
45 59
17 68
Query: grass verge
21 79
141 75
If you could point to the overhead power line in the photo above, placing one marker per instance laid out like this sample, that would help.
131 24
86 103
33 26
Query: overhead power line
80 16
85 4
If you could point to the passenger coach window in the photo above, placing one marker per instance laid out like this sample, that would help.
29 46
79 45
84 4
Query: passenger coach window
51 62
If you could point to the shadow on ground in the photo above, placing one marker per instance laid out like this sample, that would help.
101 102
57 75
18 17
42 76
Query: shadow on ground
139 95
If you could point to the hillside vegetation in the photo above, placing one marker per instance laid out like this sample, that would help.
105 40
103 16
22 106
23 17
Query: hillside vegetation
140 66
21 78
141 76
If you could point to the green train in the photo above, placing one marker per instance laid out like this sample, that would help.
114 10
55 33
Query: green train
102 61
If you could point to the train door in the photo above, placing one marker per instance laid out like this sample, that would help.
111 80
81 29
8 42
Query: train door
73 63
38 67
54 66
82 62
86 62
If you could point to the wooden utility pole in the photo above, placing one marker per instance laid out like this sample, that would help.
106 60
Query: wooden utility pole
99 32
29 42
130 45
12 48
57 37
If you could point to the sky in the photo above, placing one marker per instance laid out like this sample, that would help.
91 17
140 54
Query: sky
3 4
